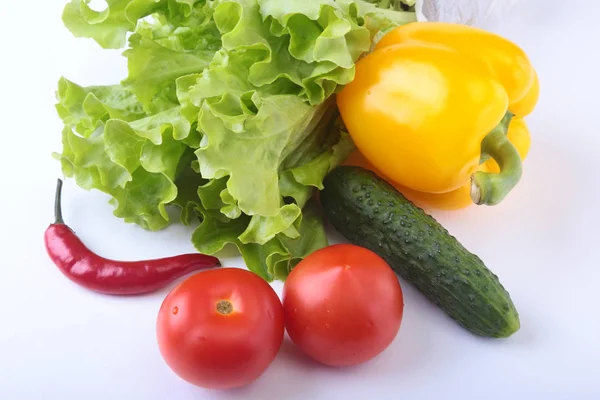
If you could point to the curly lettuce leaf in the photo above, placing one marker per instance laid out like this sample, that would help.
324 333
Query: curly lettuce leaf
138 195
153 68
261 229
318 31
136 161
255 100
163 49
251 156
107 27
398 5
227 114
380 16
188 181
88 108
311 46
273 259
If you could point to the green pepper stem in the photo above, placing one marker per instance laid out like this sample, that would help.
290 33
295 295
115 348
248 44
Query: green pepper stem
490 188
58 218
503 125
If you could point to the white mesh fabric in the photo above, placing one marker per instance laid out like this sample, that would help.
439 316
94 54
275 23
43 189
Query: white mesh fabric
469 12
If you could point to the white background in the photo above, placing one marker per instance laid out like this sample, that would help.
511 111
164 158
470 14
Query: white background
58 341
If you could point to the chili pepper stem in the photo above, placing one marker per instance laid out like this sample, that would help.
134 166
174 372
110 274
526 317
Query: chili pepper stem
490 188
58 218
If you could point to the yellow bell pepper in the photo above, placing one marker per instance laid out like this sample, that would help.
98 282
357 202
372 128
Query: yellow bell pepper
433 101
518 134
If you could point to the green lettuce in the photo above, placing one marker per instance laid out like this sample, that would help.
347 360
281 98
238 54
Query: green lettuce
227 115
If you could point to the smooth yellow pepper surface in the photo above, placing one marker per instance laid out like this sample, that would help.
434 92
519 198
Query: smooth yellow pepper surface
433 101
518 134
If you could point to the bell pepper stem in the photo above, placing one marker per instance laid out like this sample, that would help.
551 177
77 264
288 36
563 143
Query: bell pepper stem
503 126
490 188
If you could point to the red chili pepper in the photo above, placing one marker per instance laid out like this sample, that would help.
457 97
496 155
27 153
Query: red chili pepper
99 274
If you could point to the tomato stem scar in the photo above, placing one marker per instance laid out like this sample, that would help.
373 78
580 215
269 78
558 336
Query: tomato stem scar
224 307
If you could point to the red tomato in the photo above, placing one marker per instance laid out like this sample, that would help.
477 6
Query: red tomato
221 328
343 305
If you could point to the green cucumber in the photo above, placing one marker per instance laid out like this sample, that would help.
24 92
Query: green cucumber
371 213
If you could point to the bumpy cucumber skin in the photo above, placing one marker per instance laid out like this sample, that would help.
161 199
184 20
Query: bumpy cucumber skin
371 213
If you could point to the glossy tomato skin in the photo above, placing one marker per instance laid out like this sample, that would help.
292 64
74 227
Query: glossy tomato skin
343 305
220 329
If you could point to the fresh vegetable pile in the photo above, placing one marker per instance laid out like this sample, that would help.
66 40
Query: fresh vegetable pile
227 113
237 112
